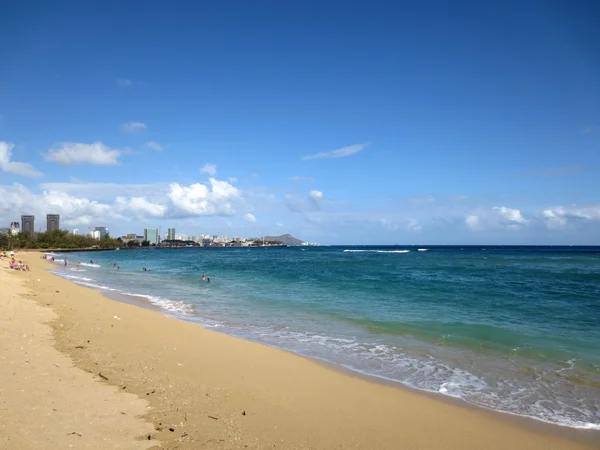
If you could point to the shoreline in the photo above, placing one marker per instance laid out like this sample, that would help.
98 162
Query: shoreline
142 300
460 413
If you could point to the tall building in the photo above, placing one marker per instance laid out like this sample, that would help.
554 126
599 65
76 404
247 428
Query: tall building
27 224
102 231
52 222
171 234
151 235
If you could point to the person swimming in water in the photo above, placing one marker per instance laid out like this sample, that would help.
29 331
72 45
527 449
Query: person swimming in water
78 263
203 278
91 262
208 280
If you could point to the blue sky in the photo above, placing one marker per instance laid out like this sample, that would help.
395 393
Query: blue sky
339 122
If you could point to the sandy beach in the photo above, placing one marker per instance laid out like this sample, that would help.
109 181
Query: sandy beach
78 369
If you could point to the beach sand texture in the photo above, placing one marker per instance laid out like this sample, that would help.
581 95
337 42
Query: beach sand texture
198 389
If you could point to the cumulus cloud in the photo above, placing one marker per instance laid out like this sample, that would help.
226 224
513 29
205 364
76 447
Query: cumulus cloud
18 168
140 207
17 199
133 127
124 83
209 168
154 146
68 153
339 153
316 195
559 217
218 199
249 218
510 216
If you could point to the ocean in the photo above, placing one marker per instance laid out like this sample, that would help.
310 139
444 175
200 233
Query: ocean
513 329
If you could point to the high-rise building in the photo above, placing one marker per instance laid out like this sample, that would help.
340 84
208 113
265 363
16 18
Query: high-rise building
28 225
171 234
52 222
102 231
151 235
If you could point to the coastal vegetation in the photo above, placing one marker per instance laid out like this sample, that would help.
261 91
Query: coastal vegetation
57 239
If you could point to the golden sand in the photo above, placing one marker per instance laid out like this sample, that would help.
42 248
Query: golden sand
206 390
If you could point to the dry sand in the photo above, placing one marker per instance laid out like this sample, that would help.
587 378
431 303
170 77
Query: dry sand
206 390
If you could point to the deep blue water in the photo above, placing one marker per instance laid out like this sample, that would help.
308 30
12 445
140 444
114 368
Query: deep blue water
516 329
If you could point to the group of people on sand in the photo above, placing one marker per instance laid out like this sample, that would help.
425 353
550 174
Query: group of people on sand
13 263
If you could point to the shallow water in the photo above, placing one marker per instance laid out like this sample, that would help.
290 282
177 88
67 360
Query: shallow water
516 329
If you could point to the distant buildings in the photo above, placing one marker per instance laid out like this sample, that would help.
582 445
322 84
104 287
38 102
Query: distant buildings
102 231
52 222
27 224
171 234
151 235
75 231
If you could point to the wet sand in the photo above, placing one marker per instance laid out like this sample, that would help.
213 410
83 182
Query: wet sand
210 390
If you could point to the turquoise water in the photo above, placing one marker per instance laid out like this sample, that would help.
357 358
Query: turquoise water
515 329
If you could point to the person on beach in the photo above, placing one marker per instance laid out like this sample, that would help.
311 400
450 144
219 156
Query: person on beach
65 262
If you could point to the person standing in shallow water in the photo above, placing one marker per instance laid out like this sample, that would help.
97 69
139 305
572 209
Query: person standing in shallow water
203 277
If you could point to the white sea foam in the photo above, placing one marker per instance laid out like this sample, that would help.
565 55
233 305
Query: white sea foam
96 286
522 397
74 277
422 249
89 264
376 251
172 306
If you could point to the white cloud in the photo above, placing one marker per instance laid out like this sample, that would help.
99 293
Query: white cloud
510 216
249 218
472 223
154 146
413 225
17 199
133 127
124 83
18 168
316 195
279 225
200 200
232 179
339 153
140 207
97 153
209 168
559 217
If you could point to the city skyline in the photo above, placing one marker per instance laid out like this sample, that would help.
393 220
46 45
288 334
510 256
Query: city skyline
409 124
